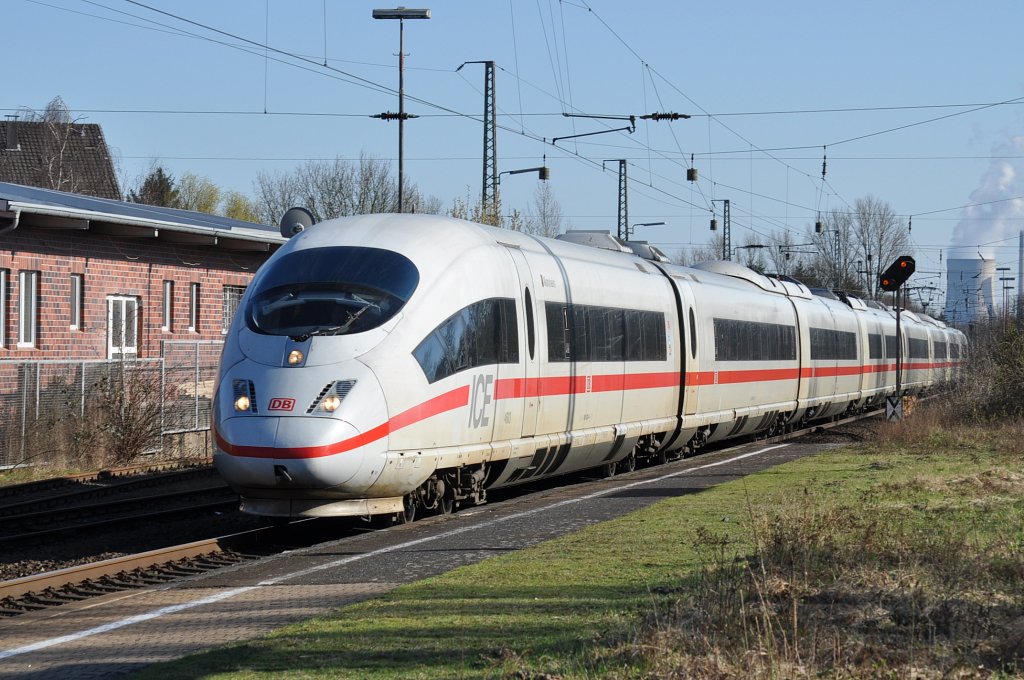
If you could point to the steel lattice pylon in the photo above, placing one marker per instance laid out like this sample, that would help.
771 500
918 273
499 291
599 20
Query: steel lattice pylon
623 231
489 195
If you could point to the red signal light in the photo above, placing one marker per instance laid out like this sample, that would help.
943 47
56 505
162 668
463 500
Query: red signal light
897 273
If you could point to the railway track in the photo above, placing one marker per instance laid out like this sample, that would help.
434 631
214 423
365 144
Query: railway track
108 477
107 506
142 570
153 567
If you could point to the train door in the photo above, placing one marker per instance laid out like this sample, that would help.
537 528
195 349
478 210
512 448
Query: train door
524 403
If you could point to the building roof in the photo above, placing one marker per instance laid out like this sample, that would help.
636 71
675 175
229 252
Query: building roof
69 157
49 209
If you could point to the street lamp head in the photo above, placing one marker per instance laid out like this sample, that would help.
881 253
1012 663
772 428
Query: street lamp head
543 172
401 13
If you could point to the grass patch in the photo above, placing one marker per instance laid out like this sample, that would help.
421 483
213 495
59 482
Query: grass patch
894 560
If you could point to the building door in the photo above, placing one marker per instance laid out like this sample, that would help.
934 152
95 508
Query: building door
122 327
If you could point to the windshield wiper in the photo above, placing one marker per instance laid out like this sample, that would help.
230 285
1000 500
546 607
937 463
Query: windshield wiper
338 330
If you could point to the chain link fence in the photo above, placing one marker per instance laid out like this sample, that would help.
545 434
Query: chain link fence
82 413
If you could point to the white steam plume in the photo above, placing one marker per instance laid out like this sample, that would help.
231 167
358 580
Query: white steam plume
994 221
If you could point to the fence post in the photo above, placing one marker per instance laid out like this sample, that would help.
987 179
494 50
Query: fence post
163 390
24 407
81 405
195 391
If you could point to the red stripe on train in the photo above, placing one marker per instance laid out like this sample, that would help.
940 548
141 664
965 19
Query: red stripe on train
516 388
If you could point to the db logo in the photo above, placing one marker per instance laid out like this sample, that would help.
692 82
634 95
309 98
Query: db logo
278 404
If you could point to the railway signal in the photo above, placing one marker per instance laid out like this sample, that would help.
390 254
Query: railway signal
890 281
897 273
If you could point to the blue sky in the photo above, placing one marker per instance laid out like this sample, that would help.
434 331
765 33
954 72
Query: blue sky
852 70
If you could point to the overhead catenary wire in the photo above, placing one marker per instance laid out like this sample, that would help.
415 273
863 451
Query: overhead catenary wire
785 201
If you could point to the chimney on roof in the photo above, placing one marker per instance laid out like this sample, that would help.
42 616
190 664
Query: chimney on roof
12 132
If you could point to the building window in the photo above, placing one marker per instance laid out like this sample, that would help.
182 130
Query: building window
168 321
28 308
193 307
232 296
122 326
77 300
3 307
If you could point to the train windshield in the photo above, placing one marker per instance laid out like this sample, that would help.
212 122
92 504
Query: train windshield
331 291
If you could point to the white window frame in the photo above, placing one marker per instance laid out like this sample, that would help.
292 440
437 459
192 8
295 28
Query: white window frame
232 299
117 345
28 309
3 307
168 308
77 300
193 307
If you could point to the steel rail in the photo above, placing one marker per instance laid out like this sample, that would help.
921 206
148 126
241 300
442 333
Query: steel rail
55 580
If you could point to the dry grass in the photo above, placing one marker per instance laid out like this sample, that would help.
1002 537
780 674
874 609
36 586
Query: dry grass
921 576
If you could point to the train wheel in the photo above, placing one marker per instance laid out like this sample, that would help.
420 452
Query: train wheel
609 469
408 513
628 464
446 506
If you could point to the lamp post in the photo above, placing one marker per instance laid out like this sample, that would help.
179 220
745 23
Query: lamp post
753 246
543 172
629 232
400 13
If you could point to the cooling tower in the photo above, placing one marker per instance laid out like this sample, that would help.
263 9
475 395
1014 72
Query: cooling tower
970 287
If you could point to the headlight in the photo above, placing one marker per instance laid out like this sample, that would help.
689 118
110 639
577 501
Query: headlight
295 357
331 396
244 393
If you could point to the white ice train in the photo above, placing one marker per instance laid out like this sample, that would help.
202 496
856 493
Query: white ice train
388 363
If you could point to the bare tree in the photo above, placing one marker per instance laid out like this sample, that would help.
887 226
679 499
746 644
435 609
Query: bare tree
880 239
784 253
696 255
547 220
334 188
55 169
855 247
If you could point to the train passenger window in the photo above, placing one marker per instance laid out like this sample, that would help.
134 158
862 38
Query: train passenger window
634 335
940 349
739 340
827 344
693 334
530 332
875 346
330 291
891 347
484 333
615 322
594 333
918 348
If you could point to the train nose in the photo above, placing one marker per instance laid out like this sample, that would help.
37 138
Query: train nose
307 453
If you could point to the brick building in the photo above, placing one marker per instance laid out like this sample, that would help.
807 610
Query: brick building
91 278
